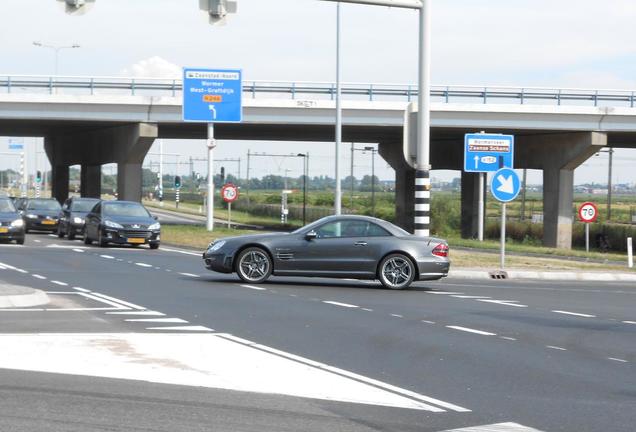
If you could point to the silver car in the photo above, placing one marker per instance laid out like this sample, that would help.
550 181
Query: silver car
356 247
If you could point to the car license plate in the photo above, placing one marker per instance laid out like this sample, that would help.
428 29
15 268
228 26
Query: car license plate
4 230
48 222
136 240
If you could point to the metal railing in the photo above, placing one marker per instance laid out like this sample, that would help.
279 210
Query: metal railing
322 90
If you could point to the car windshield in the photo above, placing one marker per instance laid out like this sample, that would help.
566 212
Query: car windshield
51 205
125 209
83 206
6 206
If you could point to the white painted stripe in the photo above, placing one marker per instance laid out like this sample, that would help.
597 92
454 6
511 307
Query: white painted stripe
93 296
422 219
629 322
20 270
190 275
254 287
125 303
82 289
38 241
617 360
367 309
37 276
78 250
359 378
555 348
107 256
422 181
470 330
59 283
443 292
143 265
182 328
141 313
422 232
422 194
62 292
335 303
181 251
428 322
3 267
508 338
52 235
423 207
498 427
397 315
158 320
503 302
574 314
470 297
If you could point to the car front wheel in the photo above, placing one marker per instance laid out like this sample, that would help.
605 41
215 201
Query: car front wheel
254 265
396 271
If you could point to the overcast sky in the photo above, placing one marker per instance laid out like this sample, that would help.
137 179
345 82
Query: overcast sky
565 43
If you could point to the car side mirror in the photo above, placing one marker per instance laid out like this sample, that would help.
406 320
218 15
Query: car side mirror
155 217
311 235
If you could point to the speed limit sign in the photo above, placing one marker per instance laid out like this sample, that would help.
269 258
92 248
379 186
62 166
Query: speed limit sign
588 212
229 192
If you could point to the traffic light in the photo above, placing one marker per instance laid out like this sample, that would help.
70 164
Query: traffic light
222 174
38 177
177 182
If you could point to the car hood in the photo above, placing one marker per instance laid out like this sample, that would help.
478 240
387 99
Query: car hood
127 221
50 213
9 217
79 214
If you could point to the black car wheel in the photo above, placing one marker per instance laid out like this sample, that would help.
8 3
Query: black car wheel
254 265
396 271
100 239
60 233
20 241
154 245
71 235
87 239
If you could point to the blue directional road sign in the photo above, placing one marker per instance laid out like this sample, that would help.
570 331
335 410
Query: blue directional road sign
488 152
212 95
505 185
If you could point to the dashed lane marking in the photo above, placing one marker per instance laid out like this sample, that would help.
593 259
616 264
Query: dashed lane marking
366 309
498 427
617 360
190 275
107 256
335 303
555 348
469 296
257 288
397 315
78 250
37 276
507 338
629 322
81 289
158 320
183 328
428 322
56 282
138 313
143 264
470 330
198 254
574 314
513 303
443 292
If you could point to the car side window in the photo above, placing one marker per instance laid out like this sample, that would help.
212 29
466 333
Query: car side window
337 229
374 230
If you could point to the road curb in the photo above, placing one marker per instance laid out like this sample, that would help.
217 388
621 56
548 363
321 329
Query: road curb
27 298
541 275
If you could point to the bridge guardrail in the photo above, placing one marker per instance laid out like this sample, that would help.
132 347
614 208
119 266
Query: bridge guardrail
324 90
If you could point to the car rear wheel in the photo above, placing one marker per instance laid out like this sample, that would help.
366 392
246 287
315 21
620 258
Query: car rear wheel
100 239
71 235
20 241
254 265
154 245
396 271
87 239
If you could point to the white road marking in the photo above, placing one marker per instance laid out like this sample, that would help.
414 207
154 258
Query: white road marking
442 292
629 322
504 302
119 259
254 287
428 322
335 303
38 241
37 276
617 360
52 235
82 289
498 427
121 302
143 265
190 275
555 348
78 250
61 309
59 283
367 309
508 338
141 313
470 297
183 328
470 330
182 251
157 268
397 315
158 320
94 296
107 256
574 314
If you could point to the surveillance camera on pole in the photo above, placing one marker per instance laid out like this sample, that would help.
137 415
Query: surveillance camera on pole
76 7
218 9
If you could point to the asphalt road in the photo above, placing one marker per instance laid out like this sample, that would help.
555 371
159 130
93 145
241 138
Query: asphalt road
311 354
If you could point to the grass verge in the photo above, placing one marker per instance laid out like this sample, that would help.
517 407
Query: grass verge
197 237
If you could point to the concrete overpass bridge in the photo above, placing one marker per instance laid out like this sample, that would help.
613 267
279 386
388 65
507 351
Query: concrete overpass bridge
94 121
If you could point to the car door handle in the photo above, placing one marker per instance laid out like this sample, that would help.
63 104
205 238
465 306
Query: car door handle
360 243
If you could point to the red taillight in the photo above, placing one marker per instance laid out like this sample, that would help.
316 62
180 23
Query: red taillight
441 250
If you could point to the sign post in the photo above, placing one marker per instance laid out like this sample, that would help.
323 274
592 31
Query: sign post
588 213
229 193
485 153
212 96
505 187
630 253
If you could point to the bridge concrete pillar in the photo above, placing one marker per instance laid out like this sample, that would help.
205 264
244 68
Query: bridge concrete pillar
129 181
59 182
470 205
558 155
91 181
404 185
132 146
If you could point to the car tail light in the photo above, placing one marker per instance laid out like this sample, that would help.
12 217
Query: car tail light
441 250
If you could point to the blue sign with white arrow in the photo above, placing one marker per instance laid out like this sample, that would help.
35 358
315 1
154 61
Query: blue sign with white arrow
488 152
212 95
505 185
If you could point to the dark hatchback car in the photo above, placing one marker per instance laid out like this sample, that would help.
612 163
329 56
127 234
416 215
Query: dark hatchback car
11 223
122 222
356 247
40 214
73 216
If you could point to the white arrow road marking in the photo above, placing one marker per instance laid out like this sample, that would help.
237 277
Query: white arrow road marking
204 360
506 185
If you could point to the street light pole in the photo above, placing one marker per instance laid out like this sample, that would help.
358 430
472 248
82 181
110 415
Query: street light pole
609 184
56 49
338 194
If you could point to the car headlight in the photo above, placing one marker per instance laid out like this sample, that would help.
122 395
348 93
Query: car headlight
78 220
111 224
18 223
155 226
215 246
32 216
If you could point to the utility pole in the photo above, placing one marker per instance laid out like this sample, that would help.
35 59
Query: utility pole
609 184
351 175
523 195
